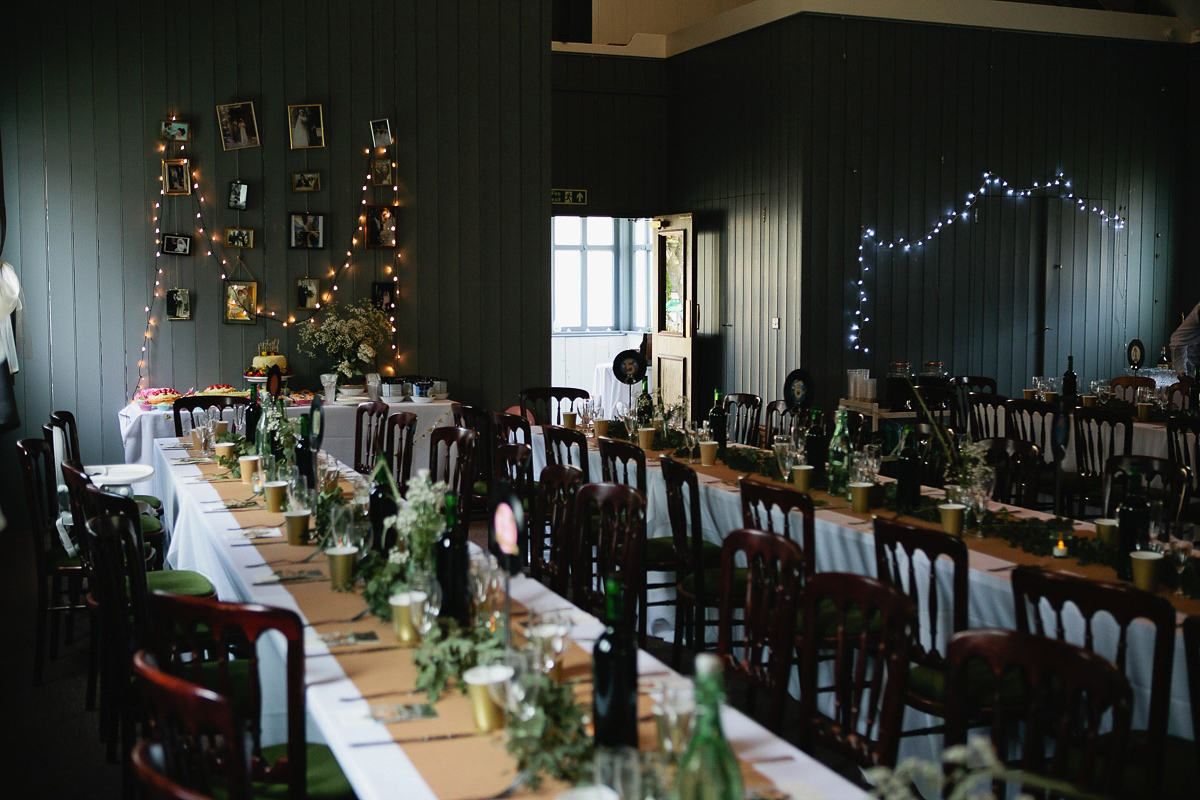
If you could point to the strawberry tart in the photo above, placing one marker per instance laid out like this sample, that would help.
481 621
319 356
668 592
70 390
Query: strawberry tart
149 398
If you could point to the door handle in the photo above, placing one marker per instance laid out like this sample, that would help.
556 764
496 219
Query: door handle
726 324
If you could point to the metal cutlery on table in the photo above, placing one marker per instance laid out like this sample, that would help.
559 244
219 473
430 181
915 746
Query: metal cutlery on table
420 739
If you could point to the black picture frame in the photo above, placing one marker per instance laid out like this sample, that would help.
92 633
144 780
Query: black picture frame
306 231
177 244
179 304
308 294
239 193
379 227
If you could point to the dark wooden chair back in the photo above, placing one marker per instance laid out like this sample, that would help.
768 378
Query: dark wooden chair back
1177 395
1017 464
514 463
870 666
452 459
480 421
65 422
761 655
554 520
36 457
901 571
202 640
1039 594
1125 386
1065 694
1183 438
118 576
1172 482
565 446
985 414
200 736
77 483
687 530
762 500
623 462
398 438
1191 646
370 423
511 428
190 404
779 419
741 418
1031 421
545 404
964 385
617 541
1100 434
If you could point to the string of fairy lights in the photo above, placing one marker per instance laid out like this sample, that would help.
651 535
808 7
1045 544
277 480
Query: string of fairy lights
992 185
215 250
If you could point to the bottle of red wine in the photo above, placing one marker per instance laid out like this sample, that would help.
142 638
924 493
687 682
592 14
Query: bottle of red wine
717 421
816 446
304 454
1133 525
614 676
253 413
380 506
908 472
453 565
1070 382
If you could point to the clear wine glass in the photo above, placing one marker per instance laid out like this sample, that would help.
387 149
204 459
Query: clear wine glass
782 445
1181 550
518 692
549 634
425 598
691 439
675 715
981 495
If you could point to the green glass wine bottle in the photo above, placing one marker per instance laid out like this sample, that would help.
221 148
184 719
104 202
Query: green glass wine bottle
709 770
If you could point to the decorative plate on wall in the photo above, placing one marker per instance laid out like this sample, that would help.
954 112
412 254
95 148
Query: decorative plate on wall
629 367
797 389
1135 354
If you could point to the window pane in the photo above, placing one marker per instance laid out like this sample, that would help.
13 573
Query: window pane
568 230
641 229
599 231
641 289
600 289
567 290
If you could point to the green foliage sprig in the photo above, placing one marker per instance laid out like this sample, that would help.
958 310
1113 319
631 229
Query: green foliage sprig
751 459
448 651
383 577
241 447
554 742
327 500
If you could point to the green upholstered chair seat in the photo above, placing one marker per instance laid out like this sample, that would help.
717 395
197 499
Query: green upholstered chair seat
149 500
828 619
480 488
712 582
325 777
150 525
930 684
661 550
180 581
60 560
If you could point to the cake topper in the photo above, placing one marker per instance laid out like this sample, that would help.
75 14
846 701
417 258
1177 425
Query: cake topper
268 347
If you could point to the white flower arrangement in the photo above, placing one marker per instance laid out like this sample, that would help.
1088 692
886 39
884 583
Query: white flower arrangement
278 427
350 335
419 520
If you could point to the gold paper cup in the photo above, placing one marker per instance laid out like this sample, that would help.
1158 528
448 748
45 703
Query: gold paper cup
802 477
952 517
249 465
860 497
1029 394
1106 531
276 494
488 716
225 449
402 624
1049 397
1143 412
708 453
646 438
1089 400
570 420
1145 569
601 427
196 442
222 427
341 566
296 523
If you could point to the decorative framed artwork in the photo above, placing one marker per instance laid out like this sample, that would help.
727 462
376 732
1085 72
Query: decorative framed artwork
306 181
381 132
238 194
238 126
381 171
379 227
306 126
179 304
239 237
241 302
306 231
179 244
176 176
173 130
308 294
383 295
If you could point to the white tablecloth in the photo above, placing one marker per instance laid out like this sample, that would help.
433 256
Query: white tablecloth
140 428
385 772
609 390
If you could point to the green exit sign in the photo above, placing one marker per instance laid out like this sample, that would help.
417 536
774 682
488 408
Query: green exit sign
568 197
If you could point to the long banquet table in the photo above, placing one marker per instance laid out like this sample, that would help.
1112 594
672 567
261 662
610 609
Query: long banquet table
209 538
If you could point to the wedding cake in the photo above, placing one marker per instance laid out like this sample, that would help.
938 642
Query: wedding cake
268 356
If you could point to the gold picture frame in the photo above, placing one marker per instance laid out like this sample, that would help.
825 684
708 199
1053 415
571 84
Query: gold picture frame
240 305
238 125
176 177
306 126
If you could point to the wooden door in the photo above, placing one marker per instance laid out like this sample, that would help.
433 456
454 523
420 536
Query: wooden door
675 306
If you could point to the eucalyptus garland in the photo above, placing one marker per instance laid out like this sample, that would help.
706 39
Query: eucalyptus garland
327 499
751 459
383 577
555 741
448 651
241 447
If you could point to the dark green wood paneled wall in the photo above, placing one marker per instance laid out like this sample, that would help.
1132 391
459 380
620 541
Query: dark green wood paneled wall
466 85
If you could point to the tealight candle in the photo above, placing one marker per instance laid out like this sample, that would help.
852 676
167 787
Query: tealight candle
1060 549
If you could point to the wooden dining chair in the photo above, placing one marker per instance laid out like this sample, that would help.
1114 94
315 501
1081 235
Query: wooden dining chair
1124 387
741 418
1100 434
780 419
192 402
762 500
398 438
756 645
1065 694
623 462
514 463
214 644
1172 479
616 542
1041 598
697 562
452 460
552 532
370 423
1177 396
566 446
195 743
870 666
511 428
1033 421
1017 464
62 433
1183 438
965 385
480 421
908 557
61 580
1191 646
545 404
985 414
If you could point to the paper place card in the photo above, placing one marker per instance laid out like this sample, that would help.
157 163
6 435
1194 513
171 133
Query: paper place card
389 713
282 575
255 533
223 478
251 503
192 460
340 638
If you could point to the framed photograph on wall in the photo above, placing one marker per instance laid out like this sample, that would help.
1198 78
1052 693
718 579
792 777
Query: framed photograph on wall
238 127
379 227
241 302
178 244
173 130
176 176
306 181
383 295
239 193
381 171
239 237
306 231
308 294
306 126
381 133
179 304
